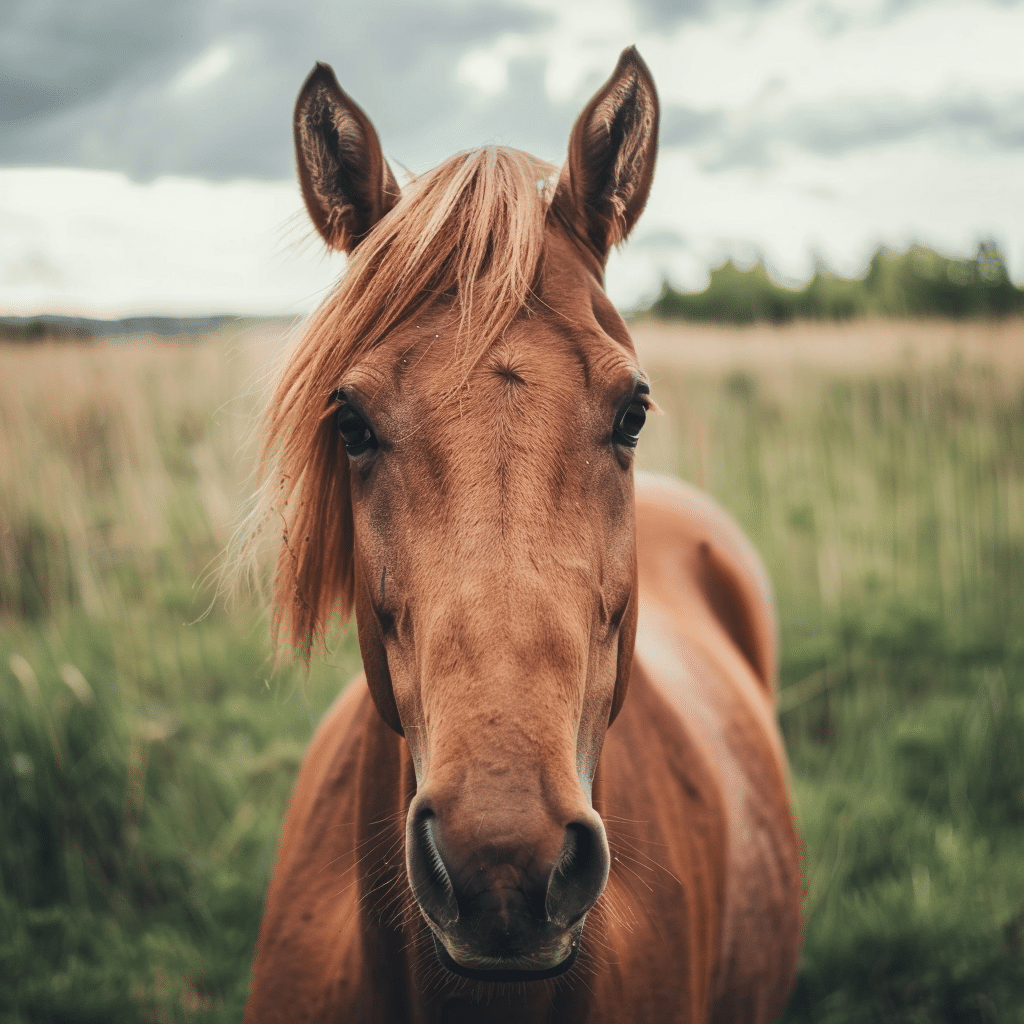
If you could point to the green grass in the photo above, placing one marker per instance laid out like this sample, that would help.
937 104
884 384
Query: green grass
147 746
147 749
890 510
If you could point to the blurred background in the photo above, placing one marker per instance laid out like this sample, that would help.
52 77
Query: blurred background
825 290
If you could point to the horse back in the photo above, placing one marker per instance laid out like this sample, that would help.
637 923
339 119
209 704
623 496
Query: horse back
694 783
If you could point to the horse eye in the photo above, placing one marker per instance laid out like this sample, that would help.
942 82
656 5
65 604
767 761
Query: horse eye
355 432
630 423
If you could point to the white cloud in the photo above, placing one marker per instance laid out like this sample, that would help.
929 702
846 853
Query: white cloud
485 68
211 66
783 53
95 243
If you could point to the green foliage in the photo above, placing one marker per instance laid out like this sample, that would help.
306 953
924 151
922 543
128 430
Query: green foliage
919 282
140 814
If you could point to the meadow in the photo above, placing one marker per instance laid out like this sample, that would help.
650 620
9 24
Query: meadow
148 742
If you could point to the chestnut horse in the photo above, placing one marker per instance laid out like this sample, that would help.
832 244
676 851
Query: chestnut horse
558 792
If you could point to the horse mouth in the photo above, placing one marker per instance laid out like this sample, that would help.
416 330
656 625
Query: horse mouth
505 969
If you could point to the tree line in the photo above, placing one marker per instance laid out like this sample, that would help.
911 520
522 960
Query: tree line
918 282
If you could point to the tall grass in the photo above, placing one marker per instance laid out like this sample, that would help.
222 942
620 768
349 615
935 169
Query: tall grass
890 510
147 745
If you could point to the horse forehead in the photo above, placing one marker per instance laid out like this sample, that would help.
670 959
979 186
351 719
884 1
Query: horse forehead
554 352
542 353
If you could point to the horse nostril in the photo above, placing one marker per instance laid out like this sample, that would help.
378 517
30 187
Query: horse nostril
428 875
580 875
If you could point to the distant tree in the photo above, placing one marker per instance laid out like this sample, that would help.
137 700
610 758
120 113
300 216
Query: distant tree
918 282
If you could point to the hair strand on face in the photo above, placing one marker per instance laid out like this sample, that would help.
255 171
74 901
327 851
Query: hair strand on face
473 229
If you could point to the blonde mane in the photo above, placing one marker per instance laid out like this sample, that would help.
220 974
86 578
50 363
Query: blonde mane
472 228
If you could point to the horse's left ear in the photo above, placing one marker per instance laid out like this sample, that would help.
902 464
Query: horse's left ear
346 182
605 182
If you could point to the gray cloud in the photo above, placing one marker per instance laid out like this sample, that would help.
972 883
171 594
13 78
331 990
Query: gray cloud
724 141
667 14
62 53
827 17
895 8
105 84
684 126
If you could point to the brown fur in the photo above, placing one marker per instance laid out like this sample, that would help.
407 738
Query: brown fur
510 588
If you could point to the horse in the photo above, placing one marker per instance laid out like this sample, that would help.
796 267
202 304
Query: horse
557 792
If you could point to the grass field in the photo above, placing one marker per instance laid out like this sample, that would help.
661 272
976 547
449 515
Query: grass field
147 745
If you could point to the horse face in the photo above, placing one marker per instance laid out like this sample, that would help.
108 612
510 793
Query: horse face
494 550
495 577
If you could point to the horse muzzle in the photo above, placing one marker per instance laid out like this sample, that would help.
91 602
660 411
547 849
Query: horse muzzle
504 911
508 969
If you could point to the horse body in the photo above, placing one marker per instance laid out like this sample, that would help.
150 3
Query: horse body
486 828
698 920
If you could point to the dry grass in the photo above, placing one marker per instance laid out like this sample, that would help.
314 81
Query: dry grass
855 346
121 452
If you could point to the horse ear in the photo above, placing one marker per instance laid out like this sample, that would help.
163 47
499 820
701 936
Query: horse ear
604 184
346 182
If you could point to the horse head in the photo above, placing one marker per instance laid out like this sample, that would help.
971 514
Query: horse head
454 445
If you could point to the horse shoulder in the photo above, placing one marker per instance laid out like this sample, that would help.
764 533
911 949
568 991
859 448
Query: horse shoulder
313 962
693 557
659 792
706 644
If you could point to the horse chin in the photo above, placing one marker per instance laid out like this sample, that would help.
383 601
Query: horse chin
502 969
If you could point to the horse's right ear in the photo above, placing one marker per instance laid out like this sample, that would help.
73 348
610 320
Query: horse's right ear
346 182
607 177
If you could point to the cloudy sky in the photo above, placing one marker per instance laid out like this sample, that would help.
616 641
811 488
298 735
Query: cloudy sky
146 159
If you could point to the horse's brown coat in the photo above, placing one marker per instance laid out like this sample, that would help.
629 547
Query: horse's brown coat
513 597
